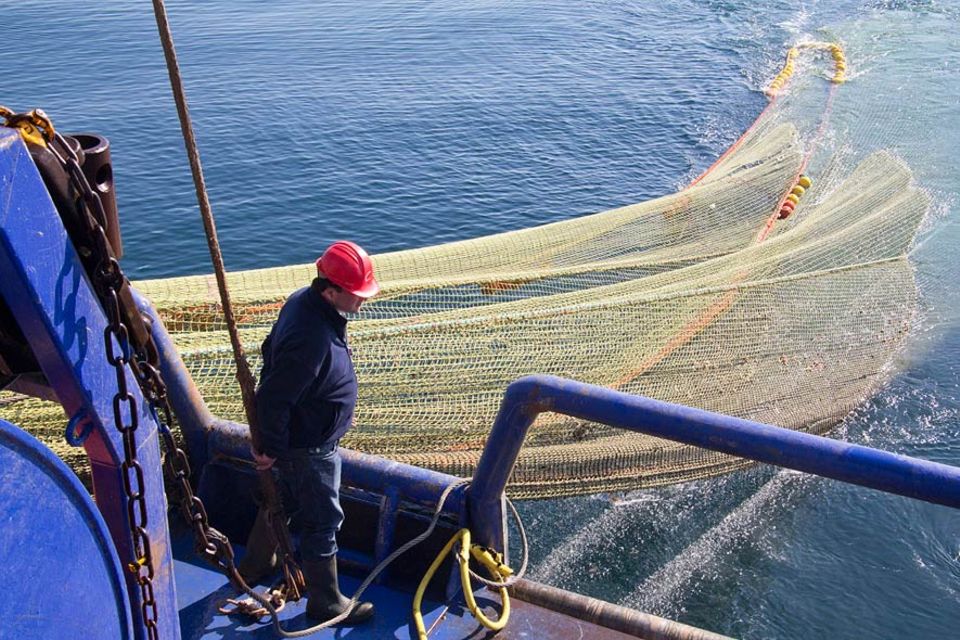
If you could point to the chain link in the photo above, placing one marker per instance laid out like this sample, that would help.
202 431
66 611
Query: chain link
34 126
108 280
124 348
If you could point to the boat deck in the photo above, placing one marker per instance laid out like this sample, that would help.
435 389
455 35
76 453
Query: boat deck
201 591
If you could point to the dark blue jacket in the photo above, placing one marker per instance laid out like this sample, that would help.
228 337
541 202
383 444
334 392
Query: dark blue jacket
308 388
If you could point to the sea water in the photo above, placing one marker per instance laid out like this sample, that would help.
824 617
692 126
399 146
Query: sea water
402 124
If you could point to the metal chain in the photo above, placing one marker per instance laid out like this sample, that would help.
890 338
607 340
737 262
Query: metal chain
143 358
133 486
211 544
108 280
34 126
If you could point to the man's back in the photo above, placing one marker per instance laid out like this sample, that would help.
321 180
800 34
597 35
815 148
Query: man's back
308 387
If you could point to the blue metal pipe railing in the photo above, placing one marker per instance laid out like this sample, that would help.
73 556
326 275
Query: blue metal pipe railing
192 413
528 397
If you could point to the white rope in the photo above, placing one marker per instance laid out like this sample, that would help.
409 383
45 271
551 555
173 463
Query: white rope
266 603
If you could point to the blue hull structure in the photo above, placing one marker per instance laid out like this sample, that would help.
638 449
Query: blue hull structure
72 561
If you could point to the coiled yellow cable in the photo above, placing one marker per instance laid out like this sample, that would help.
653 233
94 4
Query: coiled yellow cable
494 567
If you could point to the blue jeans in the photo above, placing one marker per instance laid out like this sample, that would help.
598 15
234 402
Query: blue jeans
310 487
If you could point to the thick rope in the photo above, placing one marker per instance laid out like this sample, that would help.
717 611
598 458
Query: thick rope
265 602
268 606
244 375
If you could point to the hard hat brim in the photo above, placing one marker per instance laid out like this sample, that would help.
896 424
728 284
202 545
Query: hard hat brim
368 290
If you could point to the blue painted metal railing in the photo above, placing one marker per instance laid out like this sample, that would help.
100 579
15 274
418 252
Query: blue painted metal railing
528 397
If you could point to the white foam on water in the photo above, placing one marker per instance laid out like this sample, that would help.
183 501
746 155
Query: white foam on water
664 591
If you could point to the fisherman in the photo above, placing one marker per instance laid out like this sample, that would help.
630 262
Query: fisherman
305 403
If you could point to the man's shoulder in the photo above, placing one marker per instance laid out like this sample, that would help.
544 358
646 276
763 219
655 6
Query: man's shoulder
299 343
297 298
300 326
297 310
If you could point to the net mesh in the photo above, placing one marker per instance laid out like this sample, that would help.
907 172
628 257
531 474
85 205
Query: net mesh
702 297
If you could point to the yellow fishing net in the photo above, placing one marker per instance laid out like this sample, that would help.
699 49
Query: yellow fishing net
702 297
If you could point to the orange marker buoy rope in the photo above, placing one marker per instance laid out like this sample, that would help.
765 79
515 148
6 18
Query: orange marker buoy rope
792 199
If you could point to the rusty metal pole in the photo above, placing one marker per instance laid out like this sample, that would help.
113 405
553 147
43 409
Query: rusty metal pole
244 375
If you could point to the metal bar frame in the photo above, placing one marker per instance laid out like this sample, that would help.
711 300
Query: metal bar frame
49 294
528 397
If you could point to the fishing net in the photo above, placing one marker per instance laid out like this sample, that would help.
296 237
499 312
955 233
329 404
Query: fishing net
704 297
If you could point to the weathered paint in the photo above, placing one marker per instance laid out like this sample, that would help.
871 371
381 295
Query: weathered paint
45 509
610 617
44 284
532 395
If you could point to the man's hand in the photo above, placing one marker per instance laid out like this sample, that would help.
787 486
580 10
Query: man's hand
262 461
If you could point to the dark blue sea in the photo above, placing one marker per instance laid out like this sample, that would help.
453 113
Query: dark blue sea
402 124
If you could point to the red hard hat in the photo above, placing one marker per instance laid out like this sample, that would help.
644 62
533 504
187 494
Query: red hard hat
348 266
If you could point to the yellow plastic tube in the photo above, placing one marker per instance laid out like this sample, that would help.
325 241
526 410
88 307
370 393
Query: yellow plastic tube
463 558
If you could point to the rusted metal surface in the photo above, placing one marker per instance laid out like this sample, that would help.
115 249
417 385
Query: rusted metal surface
610 618
527 622
530 622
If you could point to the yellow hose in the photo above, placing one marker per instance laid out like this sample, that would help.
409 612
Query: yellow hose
497 570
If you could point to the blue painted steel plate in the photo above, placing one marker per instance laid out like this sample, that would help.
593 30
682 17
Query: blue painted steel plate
58 566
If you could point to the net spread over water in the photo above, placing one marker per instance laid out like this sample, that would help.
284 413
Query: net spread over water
701 297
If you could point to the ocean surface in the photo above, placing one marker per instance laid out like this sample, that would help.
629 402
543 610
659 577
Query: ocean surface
402 124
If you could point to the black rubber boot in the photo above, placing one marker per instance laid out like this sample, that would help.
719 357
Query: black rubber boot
324 600
261 559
